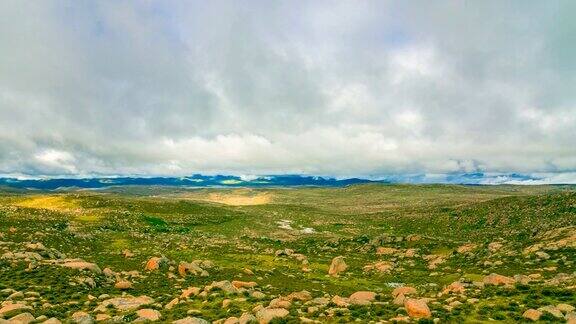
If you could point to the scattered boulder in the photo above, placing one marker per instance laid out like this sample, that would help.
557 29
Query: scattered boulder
82 318
223 285
172 303
191 320
571 318
552 310
380 266
362 298
123 284
434 260
466 248
413 238
22 318
565 308
410 253
103 317
244 284
126 303
16 295
340 301
400 319
246 318
191 291
417 308
11 309
286 252
496 279
300 295
192 268
542 255
399 300
82 265
404 290
532 314
495 246
281 302
148 314
155 263
35 246
337 266
455 288
266 315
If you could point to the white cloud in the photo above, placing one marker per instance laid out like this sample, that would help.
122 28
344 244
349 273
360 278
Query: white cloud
56 161
329 88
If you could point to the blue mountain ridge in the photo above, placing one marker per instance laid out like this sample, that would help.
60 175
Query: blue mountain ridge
199 180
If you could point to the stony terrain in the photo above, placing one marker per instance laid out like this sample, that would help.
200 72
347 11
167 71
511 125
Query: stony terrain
365 253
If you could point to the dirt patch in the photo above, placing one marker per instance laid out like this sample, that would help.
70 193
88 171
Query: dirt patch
240 199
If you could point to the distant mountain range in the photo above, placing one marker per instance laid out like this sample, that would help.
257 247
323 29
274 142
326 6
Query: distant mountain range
191 181
198 180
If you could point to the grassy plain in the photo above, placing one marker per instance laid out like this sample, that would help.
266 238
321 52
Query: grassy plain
285 239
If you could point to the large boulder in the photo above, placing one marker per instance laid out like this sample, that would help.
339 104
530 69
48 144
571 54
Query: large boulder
380 266
223 285
123 304
362 298
191 291
552 310
340 301
82 318
565 308
417 308
123 284
300 295
155 263
10 309
22 318
337 266
455 288
148 314
266 315
192 268
532 314
281 302
244 284
82 265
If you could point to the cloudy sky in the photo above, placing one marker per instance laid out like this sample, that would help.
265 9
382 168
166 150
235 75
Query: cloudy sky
340 88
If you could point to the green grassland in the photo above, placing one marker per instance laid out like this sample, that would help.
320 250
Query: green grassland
240 229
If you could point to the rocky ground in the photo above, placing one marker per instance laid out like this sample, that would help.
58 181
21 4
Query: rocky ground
370 254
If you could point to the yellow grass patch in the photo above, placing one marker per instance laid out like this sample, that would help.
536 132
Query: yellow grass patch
87 217
120 243
239 198
60 204
57 203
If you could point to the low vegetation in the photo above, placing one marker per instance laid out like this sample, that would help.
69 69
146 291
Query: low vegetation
367 253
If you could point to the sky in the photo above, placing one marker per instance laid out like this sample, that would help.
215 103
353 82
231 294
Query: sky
336 88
